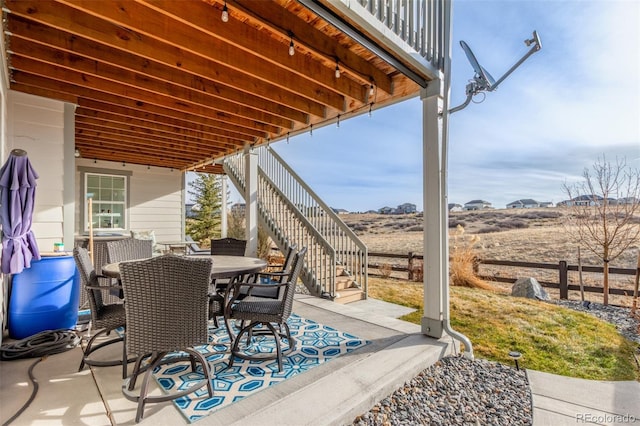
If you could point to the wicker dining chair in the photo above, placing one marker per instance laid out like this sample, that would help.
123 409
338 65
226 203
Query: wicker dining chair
166 303
277 274
264 313
128 249
228 246
105 317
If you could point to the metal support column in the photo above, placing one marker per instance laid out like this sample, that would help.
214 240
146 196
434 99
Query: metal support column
69 177
224 210
434 228
251 198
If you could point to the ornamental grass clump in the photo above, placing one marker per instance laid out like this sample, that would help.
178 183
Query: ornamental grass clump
461 262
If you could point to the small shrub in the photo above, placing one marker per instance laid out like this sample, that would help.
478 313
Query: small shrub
462 260
418 271
488 229
385 270
513 224
455 223
415 228
548 214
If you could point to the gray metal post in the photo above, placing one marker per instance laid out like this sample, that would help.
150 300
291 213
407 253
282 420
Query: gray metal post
434 258
251 198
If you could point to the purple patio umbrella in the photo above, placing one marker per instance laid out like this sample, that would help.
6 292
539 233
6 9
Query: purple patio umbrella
17 188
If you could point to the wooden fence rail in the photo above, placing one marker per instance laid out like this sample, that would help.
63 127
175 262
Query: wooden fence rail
562 267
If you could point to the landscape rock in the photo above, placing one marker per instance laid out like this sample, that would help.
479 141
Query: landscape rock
529 288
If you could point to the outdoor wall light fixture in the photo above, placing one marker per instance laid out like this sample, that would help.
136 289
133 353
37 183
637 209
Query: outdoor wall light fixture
337 70
515 356
77 153
225 13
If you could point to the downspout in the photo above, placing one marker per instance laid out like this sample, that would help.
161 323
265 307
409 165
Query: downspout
446 315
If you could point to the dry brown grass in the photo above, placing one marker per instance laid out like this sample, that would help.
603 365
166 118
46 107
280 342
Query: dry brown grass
462 259
526 235
385 270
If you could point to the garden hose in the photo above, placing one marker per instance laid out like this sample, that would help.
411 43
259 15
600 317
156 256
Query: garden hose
39 345
48 342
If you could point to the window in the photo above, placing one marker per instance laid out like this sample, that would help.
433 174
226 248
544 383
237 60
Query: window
109 201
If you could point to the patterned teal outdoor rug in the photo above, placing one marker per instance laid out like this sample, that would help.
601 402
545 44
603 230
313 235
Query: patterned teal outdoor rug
315 345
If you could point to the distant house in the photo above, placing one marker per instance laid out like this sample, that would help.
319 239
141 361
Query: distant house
546 204
340 211
525 203
238 208
583 200
386 210
454 207
628 200
406 208
477 205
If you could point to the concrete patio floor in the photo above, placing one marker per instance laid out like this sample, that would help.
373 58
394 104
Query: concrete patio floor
332 393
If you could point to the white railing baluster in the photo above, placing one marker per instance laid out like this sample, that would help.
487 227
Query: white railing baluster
292 213
418 22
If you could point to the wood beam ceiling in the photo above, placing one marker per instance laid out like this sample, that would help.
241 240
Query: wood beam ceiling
167 83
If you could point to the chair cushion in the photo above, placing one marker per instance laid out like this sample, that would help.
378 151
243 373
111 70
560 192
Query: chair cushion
258 306
271 293
148 234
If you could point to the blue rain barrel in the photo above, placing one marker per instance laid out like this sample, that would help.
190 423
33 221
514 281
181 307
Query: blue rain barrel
44 297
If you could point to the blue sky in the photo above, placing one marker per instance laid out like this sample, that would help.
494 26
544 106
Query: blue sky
576 99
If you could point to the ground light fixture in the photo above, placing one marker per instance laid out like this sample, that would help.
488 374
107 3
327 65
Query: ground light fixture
515 356
483 81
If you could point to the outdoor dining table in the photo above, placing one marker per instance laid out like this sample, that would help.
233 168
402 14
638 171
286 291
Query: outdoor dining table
223 266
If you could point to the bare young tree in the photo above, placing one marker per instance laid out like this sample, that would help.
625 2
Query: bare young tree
603 211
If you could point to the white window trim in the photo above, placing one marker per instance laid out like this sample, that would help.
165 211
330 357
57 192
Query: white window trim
84 171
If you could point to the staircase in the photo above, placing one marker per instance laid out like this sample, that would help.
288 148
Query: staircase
291 213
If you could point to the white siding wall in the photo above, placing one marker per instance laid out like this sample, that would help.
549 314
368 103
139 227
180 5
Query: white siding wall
3 156
156 198
36 125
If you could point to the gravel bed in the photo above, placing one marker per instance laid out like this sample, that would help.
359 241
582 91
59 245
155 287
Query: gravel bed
457 391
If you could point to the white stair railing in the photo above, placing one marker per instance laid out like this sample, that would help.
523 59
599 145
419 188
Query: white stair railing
291 213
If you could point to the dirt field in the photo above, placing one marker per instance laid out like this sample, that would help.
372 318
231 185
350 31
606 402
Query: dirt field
528 235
